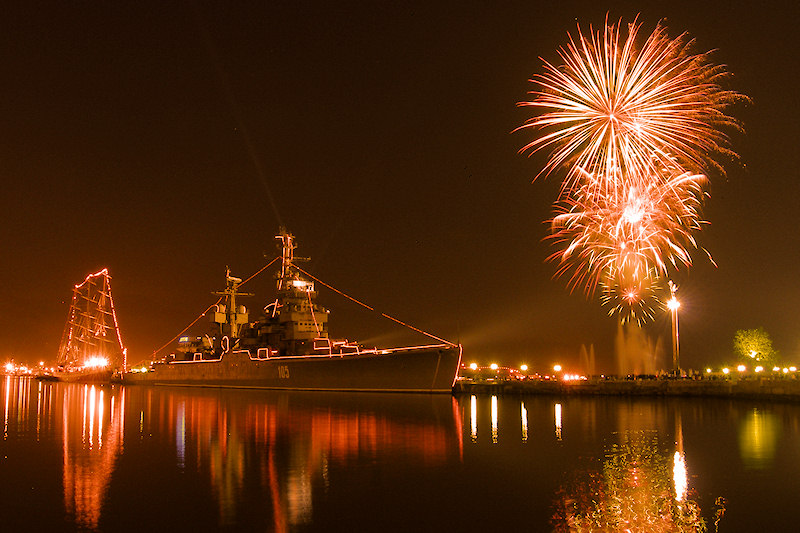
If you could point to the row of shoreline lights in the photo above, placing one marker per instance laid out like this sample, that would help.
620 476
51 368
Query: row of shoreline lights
14 368
495 366
557 369
758 369
523 369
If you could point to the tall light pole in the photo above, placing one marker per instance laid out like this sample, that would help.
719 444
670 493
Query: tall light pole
673 304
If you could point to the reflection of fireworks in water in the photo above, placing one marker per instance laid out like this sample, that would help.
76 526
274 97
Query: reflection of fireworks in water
636 128
634 491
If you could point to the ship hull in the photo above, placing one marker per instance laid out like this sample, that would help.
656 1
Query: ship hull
84 376
419 369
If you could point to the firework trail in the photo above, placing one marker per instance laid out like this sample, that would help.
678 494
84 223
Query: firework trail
636 128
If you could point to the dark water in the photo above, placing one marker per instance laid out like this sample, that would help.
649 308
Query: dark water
76 457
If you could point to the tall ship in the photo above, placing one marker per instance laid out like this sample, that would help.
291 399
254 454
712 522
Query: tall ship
91 348
288 347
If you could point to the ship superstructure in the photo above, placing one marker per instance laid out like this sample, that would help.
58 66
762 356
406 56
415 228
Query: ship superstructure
293 324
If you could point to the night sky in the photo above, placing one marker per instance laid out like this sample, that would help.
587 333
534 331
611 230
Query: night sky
166 140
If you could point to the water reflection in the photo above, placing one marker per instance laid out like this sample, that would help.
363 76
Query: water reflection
679 476
92 436
523 413
758 437
294 441
132 459
632 491
16 405
250 446
473 417
639 482
494 419
557 411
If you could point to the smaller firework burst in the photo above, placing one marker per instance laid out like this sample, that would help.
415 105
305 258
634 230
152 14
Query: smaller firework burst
633 299
645 227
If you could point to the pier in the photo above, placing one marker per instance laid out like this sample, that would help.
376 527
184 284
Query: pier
758 388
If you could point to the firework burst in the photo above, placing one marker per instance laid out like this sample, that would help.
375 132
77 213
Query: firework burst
614 110
644 226
636 128
634 299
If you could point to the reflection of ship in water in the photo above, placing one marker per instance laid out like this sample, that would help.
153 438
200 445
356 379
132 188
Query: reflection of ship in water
298 443
142 458
83 426
93 427
91 345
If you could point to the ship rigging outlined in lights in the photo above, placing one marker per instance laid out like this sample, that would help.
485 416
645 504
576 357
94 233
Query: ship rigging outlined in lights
91 346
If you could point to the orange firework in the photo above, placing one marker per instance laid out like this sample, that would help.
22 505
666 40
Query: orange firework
614 110
642 228
636 128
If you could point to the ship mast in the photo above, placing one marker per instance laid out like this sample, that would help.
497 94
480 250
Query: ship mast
91 330
287 258
233 316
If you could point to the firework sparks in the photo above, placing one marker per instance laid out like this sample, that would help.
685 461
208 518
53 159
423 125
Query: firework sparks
637 127
644 227
633 299
614 110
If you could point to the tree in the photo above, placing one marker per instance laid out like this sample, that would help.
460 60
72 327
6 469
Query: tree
754 346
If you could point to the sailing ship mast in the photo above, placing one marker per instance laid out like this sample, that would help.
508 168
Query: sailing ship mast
91 333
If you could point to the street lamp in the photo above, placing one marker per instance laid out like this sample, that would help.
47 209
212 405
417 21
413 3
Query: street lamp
673 304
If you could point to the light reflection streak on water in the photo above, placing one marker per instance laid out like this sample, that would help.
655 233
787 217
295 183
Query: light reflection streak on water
83 419
38 409
758 439
558 420
524 416
473 417
679 476
92 408
23 395
180 435
120 415
494 419
5 412
100 409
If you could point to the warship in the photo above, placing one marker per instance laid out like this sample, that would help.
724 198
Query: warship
288 347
